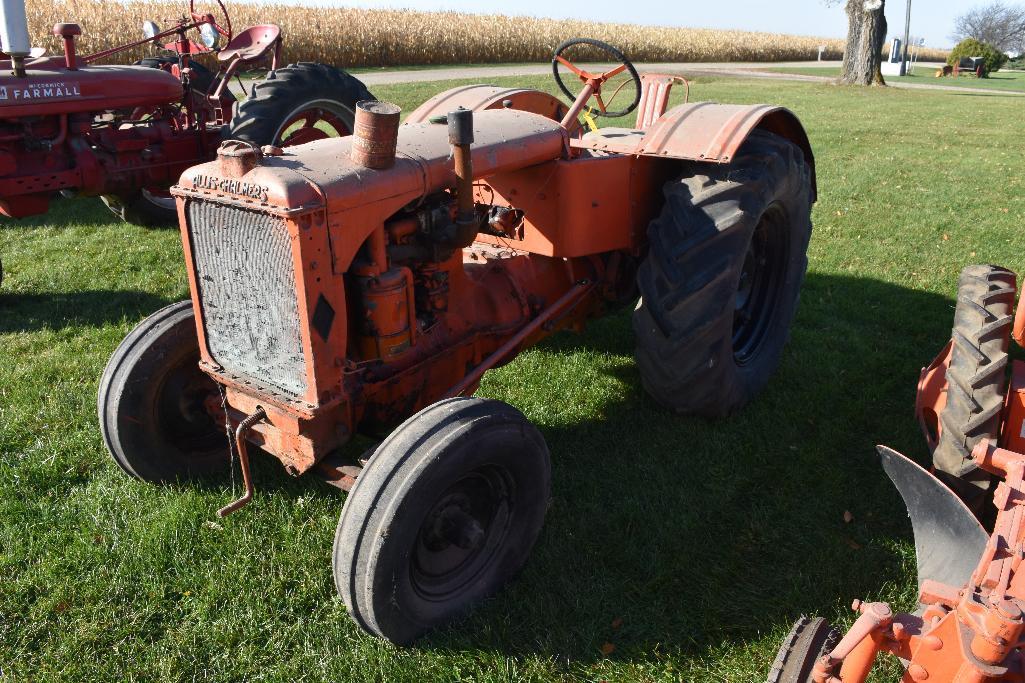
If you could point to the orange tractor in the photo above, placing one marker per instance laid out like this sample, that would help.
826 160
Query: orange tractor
364 285
970 624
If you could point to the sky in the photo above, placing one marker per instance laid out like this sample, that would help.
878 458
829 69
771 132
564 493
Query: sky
931 19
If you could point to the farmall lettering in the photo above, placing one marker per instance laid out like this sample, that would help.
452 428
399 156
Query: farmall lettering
39 91
232 186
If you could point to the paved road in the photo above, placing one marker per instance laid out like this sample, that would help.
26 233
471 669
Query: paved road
445 74
732 69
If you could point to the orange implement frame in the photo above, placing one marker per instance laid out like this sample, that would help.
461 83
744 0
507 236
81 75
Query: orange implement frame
964 634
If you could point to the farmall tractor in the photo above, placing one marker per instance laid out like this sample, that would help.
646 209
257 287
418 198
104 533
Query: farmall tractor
970 623
364 285
71 126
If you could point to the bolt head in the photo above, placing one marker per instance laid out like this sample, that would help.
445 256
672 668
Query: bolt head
918 672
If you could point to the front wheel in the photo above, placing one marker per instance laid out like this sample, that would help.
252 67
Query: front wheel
722 278
152 402
445 513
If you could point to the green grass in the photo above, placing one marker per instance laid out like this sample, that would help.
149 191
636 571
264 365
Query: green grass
706 539
1001 80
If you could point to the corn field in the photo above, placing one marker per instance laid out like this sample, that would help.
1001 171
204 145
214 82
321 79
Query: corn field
349 37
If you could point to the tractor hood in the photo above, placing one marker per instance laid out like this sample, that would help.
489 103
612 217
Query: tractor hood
322 172
51 89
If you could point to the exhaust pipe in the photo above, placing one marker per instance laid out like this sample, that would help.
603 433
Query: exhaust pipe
14 33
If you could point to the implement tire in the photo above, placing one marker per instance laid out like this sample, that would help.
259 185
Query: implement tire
807 642
976 376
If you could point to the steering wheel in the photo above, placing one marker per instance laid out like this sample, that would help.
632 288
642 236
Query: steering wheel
596 80
210 20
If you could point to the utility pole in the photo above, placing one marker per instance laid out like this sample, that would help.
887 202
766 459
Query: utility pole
907 37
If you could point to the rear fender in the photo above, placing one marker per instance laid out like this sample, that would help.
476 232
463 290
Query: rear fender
931 396
708 132
949 541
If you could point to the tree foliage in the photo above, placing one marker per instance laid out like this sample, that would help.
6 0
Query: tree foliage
998 24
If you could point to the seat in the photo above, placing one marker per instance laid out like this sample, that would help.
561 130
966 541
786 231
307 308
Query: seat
655 89
251 44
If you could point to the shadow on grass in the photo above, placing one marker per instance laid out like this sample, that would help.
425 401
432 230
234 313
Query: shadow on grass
58 310
671 534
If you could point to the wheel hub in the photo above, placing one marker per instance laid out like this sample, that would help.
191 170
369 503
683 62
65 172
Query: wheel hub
762 277
453 524
181 411
461 534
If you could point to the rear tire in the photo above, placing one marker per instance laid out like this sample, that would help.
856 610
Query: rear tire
807 642
151 402
976 376
722 279
269 114
443 515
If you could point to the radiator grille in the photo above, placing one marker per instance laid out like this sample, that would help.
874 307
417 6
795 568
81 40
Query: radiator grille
247 290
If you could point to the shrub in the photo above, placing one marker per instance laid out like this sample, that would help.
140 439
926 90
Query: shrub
992 58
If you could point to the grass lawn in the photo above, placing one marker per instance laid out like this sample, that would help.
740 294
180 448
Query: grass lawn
1001 80
676 549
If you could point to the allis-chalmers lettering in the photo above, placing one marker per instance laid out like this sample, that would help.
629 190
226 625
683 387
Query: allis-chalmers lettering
231 186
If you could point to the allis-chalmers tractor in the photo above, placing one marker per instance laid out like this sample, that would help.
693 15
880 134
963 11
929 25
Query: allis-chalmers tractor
349 285
126 133
970 623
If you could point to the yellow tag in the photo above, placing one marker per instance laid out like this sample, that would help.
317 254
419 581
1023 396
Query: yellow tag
589 120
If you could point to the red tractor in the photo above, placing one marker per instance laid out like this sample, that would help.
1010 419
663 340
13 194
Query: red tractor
364 285
970 623
69 126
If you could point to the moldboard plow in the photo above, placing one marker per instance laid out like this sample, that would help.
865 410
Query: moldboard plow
970 623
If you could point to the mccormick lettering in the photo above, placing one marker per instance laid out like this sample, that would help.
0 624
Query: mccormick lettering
231 186
38 91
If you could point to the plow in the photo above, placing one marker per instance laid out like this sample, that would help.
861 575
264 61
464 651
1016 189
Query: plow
969 626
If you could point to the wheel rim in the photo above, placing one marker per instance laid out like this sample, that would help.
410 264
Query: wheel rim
761 282
180 409
462 534
314 120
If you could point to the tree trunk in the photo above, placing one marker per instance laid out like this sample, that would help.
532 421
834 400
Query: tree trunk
866 34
